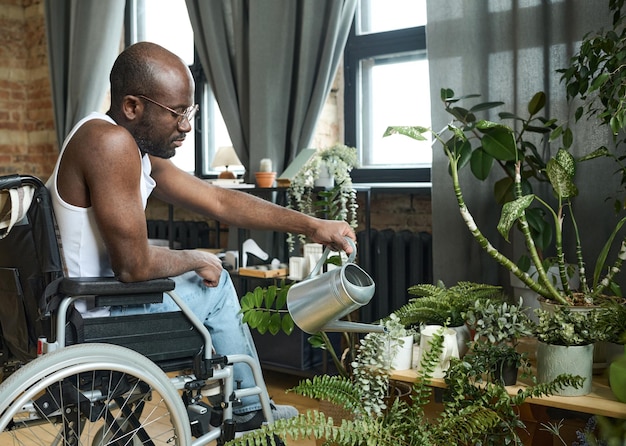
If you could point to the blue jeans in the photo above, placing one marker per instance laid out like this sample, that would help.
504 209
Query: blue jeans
218 308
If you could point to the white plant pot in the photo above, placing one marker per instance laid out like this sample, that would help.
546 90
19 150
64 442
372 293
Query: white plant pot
324 179
553 360
403 357
450 347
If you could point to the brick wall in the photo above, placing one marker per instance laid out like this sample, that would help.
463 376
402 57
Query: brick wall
27 137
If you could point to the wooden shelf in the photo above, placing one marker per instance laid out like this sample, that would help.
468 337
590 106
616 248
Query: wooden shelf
600 401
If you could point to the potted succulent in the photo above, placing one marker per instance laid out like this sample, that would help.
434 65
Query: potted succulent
482 144
441 305
498 326
565 344
339 198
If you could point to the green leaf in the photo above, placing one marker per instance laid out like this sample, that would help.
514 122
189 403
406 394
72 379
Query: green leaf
602 151
511 212
599 81
415 132
258 297
567 161
287 324
281 298
481 163
568 138
605 252
274 323
561 180
446 94
537 103
485 106
270 296
500 143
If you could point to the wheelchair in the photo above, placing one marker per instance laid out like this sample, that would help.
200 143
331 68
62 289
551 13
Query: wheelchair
150 379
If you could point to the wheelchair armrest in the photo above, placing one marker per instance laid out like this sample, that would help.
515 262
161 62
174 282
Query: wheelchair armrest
110 291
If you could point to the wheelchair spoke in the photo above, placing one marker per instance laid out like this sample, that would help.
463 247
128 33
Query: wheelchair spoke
91 406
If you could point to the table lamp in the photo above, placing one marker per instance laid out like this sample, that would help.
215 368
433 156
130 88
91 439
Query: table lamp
226 157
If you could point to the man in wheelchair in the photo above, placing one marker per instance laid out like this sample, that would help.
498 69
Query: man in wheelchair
109 165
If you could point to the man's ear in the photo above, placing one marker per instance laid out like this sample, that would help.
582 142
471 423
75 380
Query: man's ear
132 107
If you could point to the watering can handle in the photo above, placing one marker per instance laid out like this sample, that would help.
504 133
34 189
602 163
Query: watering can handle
322 259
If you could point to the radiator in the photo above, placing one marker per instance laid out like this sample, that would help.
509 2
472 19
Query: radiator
186 234
397 260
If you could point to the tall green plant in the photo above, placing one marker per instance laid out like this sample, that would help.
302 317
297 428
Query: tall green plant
481 143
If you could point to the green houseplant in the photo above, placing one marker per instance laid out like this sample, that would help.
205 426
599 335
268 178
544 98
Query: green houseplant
596 76
498 326
472 414
336 202
483 144
565 344
441 305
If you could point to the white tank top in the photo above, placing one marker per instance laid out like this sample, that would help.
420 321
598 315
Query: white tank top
83 248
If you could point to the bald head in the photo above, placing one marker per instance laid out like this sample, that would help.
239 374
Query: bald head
141 69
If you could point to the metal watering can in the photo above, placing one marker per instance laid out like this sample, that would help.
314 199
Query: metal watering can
316 303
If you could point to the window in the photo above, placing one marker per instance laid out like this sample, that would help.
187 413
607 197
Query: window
146 21
386 83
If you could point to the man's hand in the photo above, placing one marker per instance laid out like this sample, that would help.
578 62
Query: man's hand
332 233
211 270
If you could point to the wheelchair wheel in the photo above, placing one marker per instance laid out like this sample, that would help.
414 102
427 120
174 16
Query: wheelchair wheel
92 394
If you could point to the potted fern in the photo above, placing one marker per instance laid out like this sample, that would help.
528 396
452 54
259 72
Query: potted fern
441 305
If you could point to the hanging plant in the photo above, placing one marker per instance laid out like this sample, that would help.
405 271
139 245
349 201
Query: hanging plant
337 203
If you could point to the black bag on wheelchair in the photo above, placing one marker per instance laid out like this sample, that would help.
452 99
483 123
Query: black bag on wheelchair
29 261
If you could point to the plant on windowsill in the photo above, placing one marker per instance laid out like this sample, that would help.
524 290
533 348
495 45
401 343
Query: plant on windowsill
480 144
337 202
472 414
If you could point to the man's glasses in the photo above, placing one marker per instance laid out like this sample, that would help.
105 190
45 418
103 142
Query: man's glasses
188 114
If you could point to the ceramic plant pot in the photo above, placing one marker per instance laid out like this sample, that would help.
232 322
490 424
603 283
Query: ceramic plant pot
553 360
506 372
265 179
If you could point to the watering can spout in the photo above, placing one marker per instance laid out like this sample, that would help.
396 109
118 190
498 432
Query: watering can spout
353 327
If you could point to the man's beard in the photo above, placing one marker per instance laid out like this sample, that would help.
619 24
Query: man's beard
149 147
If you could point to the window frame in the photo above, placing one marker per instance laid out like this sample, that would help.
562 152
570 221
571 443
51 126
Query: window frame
363 46
204 146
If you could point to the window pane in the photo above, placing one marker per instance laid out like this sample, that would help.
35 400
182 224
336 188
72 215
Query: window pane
387 15
166 22
394 91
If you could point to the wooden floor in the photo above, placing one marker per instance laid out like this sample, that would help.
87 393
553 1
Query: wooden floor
277 384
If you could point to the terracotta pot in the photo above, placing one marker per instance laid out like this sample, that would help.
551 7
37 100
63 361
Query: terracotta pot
265 179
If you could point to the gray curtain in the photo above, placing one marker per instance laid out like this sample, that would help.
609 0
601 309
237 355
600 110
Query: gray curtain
271 65
83 41
506 51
